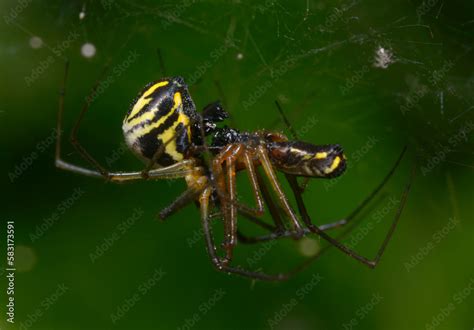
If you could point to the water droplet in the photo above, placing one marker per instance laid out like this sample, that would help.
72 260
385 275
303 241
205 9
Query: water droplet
36 42
88 50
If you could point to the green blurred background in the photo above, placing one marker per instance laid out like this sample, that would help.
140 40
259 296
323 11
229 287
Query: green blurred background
371 76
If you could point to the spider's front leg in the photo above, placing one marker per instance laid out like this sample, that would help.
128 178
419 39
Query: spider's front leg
218 263
234 156
226 190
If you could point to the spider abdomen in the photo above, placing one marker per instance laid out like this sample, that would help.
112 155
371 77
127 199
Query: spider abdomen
305 159
159 121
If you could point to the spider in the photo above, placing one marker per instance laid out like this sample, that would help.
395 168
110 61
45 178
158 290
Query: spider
163 128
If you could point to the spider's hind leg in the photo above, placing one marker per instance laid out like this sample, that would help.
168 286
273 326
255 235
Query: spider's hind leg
372 263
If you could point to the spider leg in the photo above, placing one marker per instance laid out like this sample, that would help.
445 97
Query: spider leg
372 263
212 250
249 217
284 234
279 231
230 221
274 209
267 166
257 220
73 138
275 212
336 224
229 203
340 223
259 210
188 196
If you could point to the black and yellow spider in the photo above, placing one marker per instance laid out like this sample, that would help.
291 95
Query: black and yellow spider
163 128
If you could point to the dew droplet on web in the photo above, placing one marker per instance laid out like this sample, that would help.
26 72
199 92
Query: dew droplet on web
88 50
36 42
308 246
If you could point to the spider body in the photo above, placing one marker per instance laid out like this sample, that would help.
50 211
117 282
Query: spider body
163 128
291 157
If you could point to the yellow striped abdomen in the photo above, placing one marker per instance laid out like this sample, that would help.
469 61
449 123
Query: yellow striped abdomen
160 119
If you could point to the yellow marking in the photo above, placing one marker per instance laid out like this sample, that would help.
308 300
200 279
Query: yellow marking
321 155
299 152
334 165
147 116
142 101
146 129
169 135
154 87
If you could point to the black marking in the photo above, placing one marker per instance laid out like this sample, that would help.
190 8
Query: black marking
182 140
296 157
161 98
150 142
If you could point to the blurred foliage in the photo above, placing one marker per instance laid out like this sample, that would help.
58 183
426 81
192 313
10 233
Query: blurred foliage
371 76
